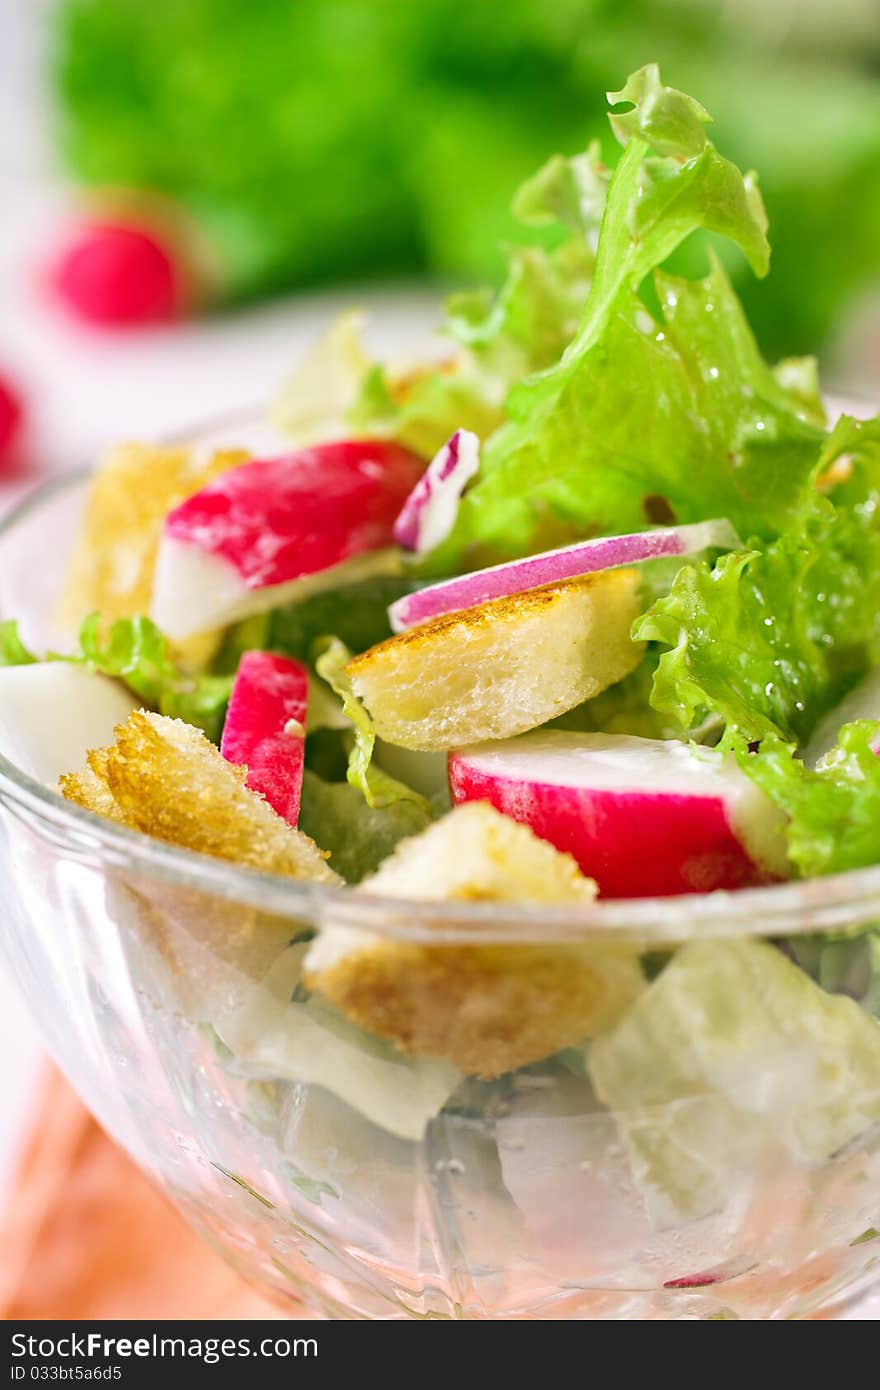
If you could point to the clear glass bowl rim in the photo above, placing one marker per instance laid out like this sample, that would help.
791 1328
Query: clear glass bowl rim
833 903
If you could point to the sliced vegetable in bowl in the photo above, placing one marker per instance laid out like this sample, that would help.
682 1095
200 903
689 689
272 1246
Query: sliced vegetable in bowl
731 1057
555 566
489 1009
265 728
613 571
274 530
501 667
644 817
428 514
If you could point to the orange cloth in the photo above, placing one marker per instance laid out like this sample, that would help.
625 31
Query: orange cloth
88 1236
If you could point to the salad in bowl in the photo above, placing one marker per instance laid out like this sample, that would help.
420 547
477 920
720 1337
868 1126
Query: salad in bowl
442 820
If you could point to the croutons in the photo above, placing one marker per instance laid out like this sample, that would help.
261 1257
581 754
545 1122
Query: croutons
131 493
488 1009
165 778
503 667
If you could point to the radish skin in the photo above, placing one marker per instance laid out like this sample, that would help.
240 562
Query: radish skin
554 566
428 514
273 530
265 728
643 817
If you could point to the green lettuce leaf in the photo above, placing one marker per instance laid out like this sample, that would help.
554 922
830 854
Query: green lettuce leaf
356 613
358 836
377 787
526 326
674 404
427 408
834 808
672 415
731 1060
134 651
313 404
769 640
670 182
13 651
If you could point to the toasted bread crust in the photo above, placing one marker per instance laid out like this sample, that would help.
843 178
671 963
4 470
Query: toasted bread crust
166 779
509 609
132 491
502 667
488 1009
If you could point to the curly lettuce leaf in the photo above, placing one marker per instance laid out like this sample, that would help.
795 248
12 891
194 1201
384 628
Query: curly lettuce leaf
833 809
357 836
423 409
377 787
675 404
670 182
314 402
503 337
134 651
771 639
526 326
356 613
674 413
13 651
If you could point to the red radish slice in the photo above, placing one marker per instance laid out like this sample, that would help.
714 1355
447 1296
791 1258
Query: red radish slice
265 728
273 530
552 566
644 817
429 512
861 703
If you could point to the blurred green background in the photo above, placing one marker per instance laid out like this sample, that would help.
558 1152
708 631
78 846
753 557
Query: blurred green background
320 140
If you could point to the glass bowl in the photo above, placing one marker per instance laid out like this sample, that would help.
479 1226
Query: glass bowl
330 1169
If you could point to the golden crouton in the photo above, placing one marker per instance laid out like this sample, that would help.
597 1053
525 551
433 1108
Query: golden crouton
194 951
165 778
89 788
502 667
488 1009
132 491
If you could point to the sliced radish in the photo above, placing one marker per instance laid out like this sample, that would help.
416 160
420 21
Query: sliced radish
861 703
429 512
52 713
642 816
274 530
553 566
265 728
